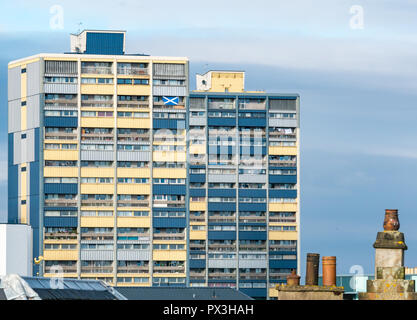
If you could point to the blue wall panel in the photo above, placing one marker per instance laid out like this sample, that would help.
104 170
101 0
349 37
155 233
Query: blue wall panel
168 124
61 188
282 193
252 206
60 221
12 190
168 189
282 179
252 122
222 235
104 43
197 192
221 206
227 122
230 193
252 235
197 263
252 193
61 122
197 177
10 149
283 264
169 222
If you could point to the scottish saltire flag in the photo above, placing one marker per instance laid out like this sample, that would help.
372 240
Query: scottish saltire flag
170 101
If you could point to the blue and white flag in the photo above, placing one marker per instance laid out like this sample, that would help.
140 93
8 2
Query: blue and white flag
171 101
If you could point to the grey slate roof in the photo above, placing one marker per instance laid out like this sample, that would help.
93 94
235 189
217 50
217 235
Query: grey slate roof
178 293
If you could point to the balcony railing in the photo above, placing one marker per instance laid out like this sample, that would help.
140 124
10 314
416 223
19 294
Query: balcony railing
221 105
133 203
160 269
143 269
94 269
282 163
97 236
97 104
97 203
60 236
97 70
133 104
60 203
61 103
169 236
222 276
252 247
252 275
97 137
65 269
143 137
133 71
252 105
60 136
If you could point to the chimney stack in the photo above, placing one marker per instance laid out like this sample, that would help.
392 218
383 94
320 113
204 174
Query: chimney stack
329 271
312 272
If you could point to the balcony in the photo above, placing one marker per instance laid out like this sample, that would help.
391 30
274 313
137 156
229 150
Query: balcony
133 104
169 204
283 163
96 236
60 136
96 70
197 275
273 247
222 276
282 135
61 103
94 269
96 203
65 269
222 247
132 71
197 247
99 137
60 236
60 203
221 105
252 105
133 203
97 103
194 218
169 236
249 219
252 275
133 269
278 276
168 269
252 247
125 137
222 219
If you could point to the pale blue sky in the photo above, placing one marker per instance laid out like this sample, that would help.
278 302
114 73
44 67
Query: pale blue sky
358 92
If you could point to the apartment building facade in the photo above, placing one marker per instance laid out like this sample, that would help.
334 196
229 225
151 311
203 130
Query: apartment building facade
126 176
243 185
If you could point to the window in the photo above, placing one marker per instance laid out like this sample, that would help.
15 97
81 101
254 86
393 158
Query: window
23 70
23 169
23 103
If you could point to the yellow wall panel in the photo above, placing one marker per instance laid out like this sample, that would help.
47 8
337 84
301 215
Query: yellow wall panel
97 88
133 188
23 118
283 207
23 184
283 235
131 284
133 172
180 255
60 254
138 90
99 188
133 222
51 241
60 154
23 84
198 235
133 123
60 172
169 173
97 221
97 122
169 156
97 172
65 275
198 206
273 292
23 213
197 148
283 151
